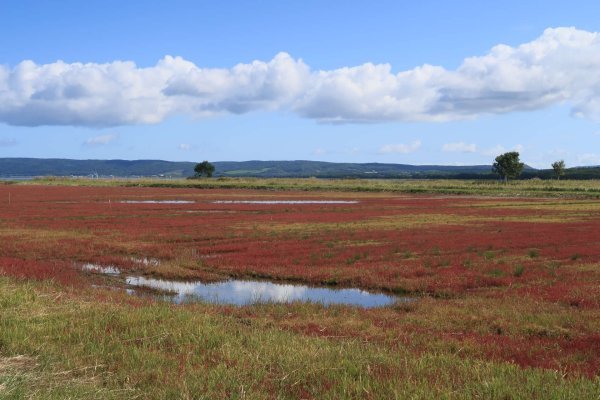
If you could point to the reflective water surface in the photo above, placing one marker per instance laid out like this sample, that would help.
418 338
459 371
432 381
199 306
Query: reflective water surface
157 201
101 269
239 292
146 261
285 202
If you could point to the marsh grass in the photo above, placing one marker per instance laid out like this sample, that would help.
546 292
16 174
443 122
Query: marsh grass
77 347
481 328
518 271
546 188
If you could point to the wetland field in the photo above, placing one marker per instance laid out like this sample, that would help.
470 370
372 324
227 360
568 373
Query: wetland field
299 289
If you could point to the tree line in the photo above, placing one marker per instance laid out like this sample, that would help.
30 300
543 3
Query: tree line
509 166
506 166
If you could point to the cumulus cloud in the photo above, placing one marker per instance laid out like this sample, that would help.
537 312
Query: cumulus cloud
4 142
400 148
101 140
460 147
589 159
560 66
494 151
499 149
184 147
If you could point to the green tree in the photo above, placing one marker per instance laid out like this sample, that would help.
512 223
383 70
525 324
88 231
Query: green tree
559 168
204 168
508 166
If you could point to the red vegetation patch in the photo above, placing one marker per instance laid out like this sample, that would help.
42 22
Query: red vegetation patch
444 246
40 270
569 356
489 249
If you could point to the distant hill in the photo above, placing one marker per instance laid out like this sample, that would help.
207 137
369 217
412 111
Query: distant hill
26 167
30 167
321 169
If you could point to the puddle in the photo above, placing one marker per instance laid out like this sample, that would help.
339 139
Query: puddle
157 202
285 202
146 261
113 270
239 292
101 269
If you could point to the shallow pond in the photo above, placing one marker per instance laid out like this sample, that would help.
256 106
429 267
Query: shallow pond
157 202
101 269
241 292
285 202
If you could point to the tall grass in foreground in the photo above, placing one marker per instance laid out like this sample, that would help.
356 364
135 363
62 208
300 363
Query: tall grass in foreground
56 344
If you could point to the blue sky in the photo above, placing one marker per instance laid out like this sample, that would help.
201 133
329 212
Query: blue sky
383 81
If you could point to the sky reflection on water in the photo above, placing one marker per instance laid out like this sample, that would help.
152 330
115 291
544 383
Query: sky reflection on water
101 269
285 202
240 292
157 201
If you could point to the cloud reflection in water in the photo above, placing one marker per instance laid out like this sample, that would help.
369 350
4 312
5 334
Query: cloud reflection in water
240 292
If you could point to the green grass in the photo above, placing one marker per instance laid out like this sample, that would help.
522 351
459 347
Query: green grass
520 305
519 269
247 171
77 347
545 188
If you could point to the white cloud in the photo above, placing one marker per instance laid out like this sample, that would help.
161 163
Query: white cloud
560 66
499 149
400 148
101 140
184 147
460 147
558 152
7 142
319 151
588 159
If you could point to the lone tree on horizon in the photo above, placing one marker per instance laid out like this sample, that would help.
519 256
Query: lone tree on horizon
204 168
559 168
508 166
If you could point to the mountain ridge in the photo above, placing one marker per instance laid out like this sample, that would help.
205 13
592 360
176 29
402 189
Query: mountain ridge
31 167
